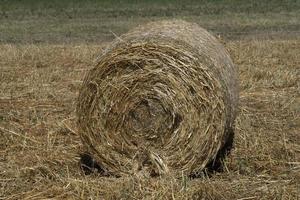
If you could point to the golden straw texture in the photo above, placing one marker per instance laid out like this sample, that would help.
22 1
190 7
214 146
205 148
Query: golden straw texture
161 99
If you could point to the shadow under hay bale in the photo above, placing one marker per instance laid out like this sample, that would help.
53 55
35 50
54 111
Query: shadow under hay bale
160 100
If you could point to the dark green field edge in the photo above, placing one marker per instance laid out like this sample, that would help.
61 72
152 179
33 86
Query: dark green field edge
97 21
55 9
145 7
78 32
75 38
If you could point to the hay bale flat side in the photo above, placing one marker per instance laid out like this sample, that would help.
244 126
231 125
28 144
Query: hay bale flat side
161 99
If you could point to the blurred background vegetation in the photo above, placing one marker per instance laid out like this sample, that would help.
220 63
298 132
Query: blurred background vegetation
78 21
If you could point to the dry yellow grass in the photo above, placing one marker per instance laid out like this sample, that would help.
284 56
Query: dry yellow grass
39 151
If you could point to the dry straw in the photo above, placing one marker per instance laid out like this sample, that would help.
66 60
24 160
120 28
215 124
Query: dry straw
160 100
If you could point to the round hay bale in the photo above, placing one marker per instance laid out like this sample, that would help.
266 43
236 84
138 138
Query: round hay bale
161 99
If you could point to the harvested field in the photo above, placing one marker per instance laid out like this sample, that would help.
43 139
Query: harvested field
47 49
39 151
